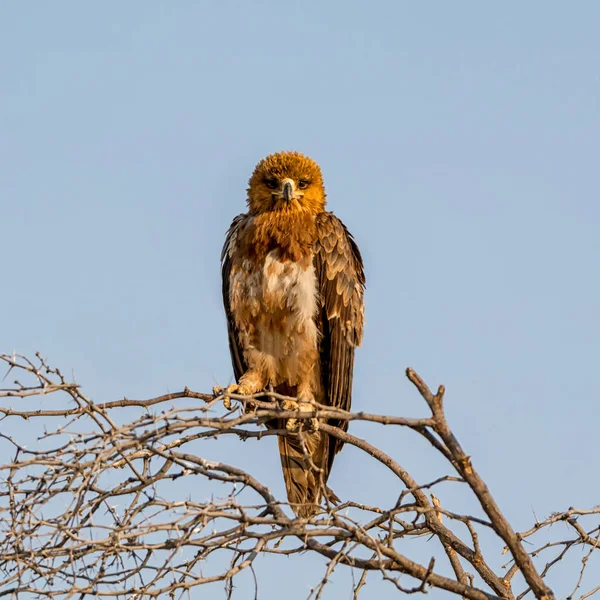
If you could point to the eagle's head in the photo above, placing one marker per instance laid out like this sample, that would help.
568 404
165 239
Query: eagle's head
286 182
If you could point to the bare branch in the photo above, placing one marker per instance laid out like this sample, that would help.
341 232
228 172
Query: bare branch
99 504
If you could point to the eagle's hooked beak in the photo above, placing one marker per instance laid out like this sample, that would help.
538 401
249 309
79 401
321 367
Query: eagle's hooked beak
288 189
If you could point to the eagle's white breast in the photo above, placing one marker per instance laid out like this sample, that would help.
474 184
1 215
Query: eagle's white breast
275 306
292 284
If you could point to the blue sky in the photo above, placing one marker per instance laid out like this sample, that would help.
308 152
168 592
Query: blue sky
459 142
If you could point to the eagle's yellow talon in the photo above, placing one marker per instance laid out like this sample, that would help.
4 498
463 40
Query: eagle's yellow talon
234 388
219 391
293 423
312 424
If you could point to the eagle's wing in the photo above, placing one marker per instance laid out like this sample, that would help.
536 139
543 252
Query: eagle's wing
341 282
229 249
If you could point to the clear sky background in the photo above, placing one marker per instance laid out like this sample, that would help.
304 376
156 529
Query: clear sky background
459 143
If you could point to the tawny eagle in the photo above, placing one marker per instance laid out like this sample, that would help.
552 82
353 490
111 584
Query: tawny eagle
293 285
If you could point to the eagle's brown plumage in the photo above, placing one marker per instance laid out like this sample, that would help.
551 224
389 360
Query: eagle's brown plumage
293 286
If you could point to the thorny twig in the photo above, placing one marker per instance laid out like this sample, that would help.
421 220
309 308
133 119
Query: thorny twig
95 507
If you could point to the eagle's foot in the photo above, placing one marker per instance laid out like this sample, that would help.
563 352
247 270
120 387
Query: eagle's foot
234 388
312 423
220 391
293 424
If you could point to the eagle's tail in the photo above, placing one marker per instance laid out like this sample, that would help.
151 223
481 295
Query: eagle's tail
304 464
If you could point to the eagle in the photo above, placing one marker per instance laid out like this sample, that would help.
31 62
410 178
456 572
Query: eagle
293 289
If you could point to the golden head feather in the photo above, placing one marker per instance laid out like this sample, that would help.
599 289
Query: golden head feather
286 182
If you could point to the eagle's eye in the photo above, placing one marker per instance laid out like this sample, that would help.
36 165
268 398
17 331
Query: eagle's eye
272 183
303 184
